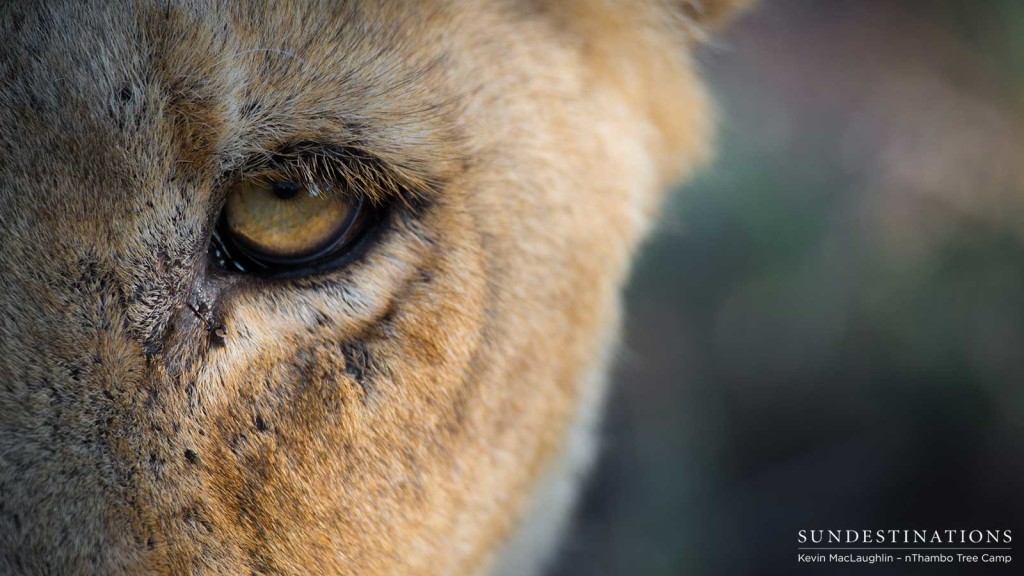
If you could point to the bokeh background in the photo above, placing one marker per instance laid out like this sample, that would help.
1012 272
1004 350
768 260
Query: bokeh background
828 330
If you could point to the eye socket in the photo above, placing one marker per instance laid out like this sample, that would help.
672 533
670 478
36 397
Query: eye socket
279 226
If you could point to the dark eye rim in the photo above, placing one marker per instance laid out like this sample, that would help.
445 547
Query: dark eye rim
228 253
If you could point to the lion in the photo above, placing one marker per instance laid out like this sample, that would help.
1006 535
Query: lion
321 287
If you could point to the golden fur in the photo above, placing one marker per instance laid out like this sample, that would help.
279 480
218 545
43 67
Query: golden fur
396 416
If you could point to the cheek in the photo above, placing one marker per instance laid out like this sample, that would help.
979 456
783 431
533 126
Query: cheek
313 411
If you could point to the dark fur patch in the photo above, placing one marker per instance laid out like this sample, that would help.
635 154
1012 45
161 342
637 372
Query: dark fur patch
358 364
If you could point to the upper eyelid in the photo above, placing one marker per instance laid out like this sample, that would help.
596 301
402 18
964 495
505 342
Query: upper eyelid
344 167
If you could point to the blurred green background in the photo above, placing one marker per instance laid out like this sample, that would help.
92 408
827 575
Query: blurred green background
828 330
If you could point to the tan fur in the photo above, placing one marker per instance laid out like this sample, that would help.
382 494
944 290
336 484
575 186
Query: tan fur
395 416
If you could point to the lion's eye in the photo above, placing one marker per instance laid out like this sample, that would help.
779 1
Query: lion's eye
284 226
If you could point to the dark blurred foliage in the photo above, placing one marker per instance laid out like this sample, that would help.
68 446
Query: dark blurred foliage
828 331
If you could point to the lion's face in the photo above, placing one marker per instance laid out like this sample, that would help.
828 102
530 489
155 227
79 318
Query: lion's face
388 410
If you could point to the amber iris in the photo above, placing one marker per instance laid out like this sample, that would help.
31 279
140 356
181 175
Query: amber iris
286 222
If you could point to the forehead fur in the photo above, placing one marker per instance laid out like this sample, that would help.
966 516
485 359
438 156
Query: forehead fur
208 85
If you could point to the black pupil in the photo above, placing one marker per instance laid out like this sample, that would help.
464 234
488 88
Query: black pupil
285 190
